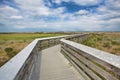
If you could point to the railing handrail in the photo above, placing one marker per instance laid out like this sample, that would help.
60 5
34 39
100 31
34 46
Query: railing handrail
90 62
105 56
13 66
10 69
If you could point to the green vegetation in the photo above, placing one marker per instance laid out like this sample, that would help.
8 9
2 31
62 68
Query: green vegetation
92 41
115 42
26 36
109 42
10 52
8 49
106 44
12 43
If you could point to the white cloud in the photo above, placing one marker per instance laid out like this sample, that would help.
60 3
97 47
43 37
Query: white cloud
105 18
102 9
80 2
59 1
37 7
43 11
80 23
30 4
82 12
86 2
16 17
113 4
58 11
8 9
110 11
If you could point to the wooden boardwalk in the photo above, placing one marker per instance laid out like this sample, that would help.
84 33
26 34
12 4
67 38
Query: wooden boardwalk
54 66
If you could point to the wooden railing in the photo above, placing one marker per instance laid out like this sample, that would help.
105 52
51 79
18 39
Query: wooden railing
26 64
78 38
91 63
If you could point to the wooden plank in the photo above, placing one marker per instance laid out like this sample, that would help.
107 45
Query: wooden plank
54 66
108 66
94 67
86 77
88 71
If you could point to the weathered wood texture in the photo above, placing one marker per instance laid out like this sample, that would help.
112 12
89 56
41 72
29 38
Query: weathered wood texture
24 66
54 66
77 38
95 64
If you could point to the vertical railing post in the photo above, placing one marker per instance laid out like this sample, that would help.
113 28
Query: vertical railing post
35 74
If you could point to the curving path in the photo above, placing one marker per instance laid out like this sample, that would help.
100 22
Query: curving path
54 66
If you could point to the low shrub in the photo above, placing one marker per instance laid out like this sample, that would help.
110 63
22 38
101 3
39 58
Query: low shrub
100 37
106 44
8 49
90 43
115 42
10 52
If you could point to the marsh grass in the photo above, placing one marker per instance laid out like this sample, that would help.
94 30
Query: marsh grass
11 44
109 42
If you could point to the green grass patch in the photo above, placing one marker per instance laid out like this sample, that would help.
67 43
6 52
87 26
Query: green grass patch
12 43
23 36
109 42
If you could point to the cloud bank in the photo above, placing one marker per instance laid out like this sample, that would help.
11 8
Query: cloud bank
59 15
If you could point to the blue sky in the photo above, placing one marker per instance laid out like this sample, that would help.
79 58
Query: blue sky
59 15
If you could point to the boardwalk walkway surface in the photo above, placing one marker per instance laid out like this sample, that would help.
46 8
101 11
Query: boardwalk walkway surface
54 66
